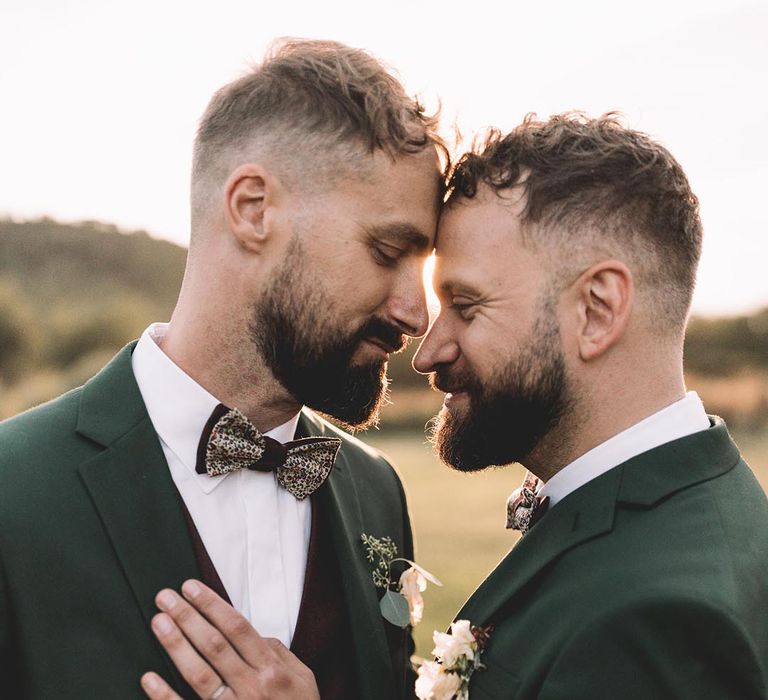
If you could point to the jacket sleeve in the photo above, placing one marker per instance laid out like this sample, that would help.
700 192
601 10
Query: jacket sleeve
682 649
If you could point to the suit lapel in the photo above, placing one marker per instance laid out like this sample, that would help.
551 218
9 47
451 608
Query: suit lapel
585 514
132 489
590 511
375 674
678 465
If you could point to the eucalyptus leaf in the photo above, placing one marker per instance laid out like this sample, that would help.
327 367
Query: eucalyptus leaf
394 608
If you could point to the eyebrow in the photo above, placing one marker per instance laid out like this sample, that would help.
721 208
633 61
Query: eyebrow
405 234
450 287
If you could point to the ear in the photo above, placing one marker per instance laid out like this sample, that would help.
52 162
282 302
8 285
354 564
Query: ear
249 193
606 294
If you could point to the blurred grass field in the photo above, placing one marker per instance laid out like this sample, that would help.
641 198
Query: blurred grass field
458 519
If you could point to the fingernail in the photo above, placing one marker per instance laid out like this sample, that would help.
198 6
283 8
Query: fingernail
151 681
162 624
192 588
166 600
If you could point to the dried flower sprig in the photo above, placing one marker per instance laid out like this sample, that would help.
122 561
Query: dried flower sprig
402 603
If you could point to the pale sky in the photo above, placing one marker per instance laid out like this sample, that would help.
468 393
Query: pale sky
101 98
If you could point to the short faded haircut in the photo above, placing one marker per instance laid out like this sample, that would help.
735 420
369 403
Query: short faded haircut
314 109
592 185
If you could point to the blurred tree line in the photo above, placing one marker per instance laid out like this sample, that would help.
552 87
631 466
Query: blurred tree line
73 294
70 296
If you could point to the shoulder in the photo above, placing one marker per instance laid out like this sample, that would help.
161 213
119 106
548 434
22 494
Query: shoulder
40 452
40 429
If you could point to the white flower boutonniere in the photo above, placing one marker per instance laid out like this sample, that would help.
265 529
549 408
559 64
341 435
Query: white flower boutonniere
402 602
457 658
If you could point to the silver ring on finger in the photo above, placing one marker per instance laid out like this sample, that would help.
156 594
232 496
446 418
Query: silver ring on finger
223 688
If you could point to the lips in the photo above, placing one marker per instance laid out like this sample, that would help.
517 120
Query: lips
449 389
445 387
455 382
386 347
384 335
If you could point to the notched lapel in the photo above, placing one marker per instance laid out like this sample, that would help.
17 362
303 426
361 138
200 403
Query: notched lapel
586 513
133 492
677 465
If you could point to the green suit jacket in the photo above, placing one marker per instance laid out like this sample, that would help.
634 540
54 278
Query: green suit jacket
91 529
649 582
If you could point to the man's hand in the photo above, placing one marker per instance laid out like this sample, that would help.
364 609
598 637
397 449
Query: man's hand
220 655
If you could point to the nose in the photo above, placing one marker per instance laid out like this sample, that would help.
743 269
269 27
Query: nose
437 348
408 303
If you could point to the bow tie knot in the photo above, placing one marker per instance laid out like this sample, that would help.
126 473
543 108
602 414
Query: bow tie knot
524 507
231 442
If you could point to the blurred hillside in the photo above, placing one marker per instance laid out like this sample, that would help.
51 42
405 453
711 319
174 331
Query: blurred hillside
71 295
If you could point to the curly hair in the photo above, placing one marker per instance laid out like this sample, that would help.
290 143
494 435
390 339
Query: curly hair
316 107
592 182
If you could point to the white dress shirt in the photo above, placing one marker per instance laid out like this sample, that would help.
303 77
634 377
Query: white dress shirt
255 532
675 421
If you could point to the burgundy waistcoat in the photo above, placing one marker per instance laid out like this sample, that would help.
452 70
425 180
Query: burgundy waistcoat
322 638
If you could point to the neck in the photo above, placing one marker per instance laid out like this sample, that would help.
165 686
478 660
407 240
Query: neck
590 420
218 354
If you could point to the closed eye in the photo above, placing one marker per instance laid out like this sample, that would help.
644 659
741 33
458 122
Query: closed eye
385 255
464 308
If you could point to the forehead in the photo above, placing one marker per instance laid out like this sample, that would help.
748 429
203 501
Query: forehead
479 240
398 196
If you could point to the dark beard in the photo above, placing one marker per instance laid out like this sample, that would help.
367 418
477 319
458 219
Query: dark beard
508 417
310 354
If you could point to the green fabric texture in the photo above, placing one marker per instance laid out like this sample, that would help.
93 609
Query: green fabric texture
649 582
91 529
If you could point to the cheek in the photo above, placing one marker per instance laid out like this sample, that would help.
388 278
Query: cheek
478 338
365 290
352 284
486 346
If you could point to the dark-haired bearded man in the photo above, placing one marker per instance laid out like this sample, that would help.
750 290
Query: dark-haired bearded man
566 261
315 192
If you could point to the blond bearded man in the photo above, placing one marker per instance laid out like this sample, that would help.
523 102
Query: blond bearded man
195 452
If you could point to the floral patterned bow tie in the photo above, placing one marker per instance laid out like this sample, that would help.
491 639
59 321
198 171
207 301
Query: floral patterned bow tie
524 507
230 442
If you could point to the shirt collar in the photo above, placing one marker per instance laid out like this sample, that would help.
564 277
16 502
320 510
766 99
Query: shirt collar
684 417
178 406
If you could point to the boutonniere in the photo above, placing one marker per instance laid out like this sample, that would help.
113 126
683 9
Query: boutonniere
457 658
402 603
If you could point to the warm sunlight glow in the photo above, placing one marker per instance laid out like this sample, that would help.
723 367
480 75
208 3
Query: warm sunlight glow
586 59
433 304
